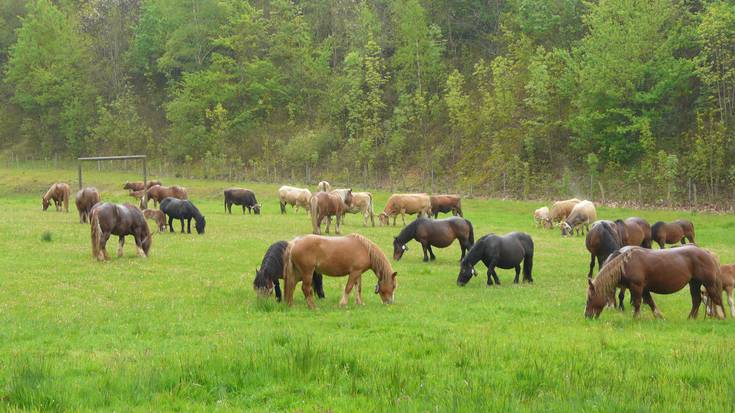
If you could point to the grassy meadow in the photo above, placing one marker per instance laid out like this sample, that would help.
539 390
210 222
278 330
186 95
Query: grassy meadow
183 330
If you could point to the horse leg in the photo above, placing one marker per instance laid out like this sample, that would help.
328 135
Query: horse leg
329 223
694 289
171 223
103 245
495 276
518 272
431 253
424 246
621 299
121 243
683 241
338 222
188 225
403 217
277 287
636 295
308 292
730 301
358 296
715 296
649 300
139 245
592 265
489 277
346 293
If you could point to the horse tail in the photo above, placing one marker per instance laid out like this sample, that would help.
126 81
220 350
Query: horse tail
472 232
96 232
67 195
371 210
314 210
459 208
528 266
289 276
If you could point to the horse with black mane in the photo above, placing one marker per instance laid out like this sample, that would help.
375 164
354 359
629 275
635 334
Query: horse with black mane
602 240
271 269
110 219
435 233
182 210
507 251
645 271
243 197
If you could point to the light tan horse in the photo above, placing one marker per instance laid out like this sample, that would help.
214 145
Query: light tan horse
59 193
350 255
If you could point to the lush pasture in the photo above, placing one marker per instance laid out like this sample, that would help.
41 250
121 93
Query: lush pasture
183 329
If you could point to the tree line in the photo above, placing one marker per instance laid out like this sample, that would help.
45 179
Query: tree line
623 99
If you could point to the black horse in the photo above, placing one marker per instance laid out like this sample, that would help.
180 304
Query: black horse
271 269
244 197
435 233
603 239
183 210
505 252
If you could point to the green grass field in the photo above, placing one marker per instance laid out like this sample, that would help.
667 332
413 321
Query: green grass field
183 330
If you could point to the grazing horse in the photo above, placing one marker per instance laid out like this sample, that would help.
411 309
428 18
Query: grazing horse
138 186
324 187
158 216
505 252
183 210
405 204
336 256
634 231
158 193
244 197
672 232
446 204
326 205
602 240
437 233
110 219
86 199
581 216
644 271
362 202
59 193
296 197
727 279
271 269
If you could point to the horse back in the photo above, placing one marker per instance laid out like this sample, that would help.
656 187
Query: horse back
334 256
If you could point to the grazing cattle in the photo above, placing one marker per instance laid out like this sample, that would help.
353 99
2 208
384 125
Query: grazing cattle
328 205
296 197
645 271
324 187
634 231
505 252
362 203
350 255
139 195
158 193
405 204
271 269
560 210
86 199
110 219
243 197
182 210
446 204
138 186
158 216
438 233
541 216
59 193
672 232
581 216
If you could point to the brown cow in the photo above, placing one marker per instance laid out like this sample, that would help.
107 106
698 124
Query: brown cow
158 193
446 204
138 186
298 197
59 193
405 204
86 199
561 210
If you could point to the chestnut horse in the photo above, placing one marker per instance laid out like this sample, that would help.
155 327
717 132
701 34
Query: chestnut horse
158 193
86 199
727 278
158 216
644 271
435 232
350 255
634 231
138 186
121 220
326 205
59 193
672 232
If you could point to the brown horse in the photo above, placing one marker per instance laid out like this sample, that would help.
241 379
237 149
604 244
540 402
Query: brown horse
602 240
727 278
121 220
86 199
644 271
158 216
59 193
138 186
634 231
439 233
326 205
158 193
672 232
350 255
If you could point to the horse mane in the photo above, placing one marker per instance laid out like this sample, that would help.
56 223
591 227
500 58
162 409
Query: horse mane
611 236
612 271
409 232
474 255
378 261
272 265
47 195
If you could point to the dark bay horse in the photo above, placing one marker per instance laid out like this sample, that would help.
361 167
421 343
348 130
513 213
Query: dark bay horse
121 220
672 232
183 210
634 231
645 271
438 233
158 193
328 205
59 193
602 240
85 200
350 255
504 252
271 269
242 197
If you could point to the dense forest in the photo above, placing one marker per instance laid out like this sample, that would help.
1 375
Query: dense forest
623 99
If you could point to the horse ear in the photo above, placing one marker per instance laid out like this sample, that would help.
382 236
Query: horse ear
394 275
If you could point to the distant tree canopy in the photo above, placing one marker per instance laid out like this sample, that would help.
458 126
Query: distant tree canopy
516 98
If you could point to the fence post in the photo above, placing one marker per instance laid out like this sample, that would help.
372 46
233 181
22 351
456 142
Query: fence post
80 174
